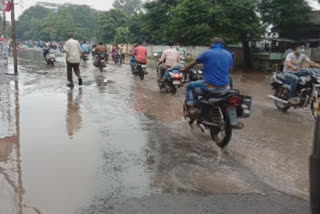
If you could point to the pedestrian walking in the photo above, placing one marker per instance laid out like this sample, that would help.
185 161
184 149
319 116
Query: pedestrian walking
73 55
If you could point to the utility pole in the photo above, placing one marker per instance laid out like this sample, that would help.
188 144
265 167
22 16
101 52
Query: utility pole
13 37
315 169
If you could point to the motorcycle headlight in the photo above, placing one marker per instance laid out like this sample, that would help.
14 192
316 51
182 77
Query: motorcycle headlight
200 72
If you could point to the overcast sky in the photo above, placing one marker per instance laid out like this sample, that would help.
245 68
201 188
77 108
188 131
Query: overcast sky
99 4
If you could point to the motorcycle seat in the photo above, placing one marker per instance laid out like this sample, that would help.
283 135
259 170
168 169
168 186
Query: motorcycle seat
221 93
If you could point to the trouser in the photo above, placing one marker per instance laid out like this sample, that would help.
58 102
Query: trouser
293 79
198 87
133 63
75 67
162 70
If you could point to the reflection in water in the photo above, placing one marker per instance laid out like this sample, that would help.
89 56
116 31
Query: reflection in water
73 117
101 80
10 160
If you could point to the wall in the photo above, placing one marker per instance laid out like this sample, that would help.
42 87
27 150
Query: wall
192 51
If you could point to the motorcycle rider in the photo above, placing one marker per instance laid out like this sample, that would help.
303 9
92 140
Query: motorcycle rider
46 51
122 53
181 50
217 63
170 58
133 60
292 70
100 49
140 52
85 47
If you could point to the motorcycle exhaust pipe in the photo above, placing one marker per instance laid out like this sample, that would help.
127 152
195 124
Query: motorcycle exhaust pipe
278 99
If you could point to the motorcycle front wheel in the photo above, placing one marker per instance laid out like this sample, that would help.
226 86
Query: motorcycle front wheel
314 108
222 134
281 93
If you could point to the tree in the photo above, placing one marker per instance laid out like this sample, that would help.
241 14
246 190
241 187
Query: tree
137 29
23 25
156 19
189 27
109 22
39 23
122 35
129 7
240 23
286 16
234 20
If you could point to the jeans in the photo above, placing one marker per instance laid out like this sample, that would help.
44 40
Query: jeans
133 63
162 71
198 87
293 79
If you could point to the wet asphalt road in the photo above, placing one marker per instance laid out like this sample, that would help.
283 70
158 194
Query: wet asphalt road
118 145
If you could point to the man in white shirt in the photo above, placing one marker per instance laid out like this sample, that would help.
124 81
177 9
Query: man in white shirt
73 54
170 58
292 69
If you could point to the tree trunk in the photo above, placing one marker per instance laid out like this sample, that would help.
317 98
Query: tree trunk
246 51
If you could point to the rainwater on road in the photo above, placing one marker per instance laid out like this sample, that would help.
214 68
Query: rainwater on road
118 145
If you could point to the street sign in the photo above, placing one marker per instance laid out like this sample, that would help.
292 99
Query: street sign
4 54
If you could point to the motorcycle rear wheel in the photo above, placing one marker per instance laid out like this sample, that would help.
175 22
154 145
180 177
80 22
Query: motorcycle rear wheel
141 74
282 93
173 90
221 135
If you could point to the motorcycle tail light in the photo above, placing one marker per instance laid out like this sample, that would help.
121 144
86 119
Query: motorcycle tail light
235 100
177 76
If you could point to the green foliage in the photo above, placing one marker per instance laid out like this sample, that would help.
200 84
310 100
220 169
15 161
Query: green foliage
129 7
39 23
156 19
189 22
122 35
137 29
109 22
286 16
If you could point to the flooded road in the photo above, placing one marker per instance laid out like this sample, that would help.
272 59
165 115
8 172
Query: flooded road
118 145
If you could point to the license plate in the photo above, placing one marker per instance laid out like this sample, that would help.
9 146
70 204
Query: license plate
176 82
143 66
102 61
232 113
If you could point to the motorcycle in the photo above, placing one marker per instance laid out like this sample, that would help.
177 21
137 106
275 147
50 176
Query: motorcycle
116 57
50 58
171 81
140 69
307 91
219 112
100 61
85 56
193 75
106 57
93 52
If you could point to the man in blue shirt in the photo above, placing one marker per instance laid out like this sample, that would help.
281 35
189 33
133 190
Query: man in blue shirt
85 47
217 63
